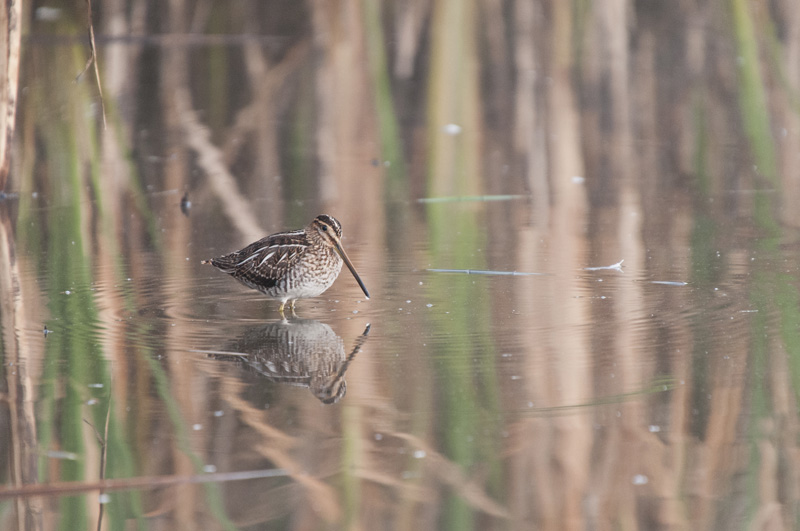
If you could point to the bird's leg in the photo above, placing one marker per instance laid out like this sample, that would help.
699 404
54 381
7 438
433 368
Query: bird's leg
291 307
280 309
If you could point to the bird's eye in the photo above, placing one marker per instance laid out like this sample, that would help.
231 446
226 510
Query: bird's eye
325 228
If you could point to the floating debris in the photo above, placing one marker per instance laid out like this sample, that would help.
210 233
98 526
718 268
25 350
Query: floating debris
8 195
469 198
46 331
483 272
613 267
186 204
669 282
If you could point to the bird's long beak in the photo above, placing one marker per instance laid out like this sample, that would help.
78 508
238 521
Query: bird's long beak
340 250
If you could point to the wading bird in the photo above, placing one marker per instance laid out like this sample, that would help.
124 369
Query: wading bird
287 266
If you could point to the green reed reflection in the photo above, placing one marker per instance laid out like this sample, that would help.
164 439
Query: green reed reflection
65 239
455 235
772 290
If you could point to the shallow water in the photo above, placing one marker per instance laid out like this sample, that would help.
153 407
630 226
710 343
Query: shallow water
584 300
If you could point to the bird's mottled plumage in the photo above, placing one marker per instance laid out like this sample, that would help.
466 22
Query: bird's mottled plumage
291 265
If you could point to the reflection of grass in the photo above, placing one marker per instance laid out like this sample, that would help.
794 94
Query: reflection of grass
771 291
213 495
458 427
469 403
469 398
73 352
752 99
62 239
391 145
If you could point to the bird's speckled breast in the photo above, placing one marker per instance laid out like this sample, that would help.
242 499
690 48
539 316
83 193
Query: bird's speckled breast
312 275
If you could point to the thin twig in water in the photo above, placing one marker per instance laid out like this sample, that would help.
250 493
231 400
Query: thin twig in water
142 482
484 272
93 60
103 460
103 456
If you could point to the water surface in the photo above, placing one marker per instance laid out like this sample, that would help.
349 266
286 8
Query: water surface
577 224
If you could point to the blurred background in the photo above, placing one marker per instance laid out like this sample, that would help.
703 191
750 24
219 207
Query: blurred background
578 221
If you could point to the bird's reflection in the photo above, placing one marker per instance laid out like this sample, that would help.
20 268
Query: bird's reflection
301 352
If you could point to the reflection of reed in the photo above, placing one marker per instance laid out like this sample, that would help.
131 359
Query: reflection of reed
301 352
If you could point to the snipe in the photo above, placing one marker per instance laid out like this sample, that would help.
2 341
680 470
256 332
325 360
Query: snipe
287 266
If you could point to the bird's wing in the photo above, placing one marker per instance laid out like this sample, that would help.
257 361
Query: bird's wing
266 261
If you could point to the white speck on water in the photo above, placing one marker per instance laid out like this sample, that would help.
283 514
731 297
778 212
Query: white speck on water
619 414
60 454
452 129
355 311
419 454
640 479
429 305
530 404
378 436
420 283
654 429
104 498
219 413
209 469
577 179
91 402
506 355
48 14
197 427
408 302
96 385
68 292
